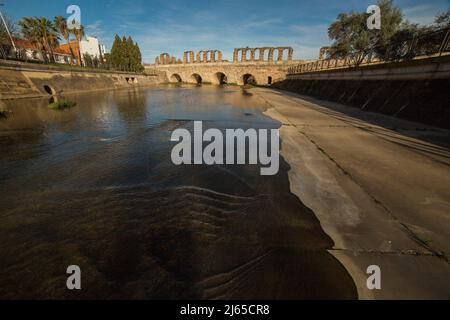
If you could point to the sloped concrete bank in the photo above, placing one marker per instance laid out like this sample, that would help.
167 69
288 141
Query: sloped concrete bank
21 80
380 194
417 91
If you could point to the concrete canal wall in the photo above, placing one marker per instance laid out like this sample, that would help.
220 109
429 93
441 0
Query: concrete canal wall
417 91
25 80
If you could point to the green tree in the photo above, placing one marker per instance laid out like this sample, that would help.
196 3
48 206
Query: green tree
442 20
87 60
31 31
139 66
412 40
353 39
125 55
61 26
114 58
79 35
95 62
4 36
42 33
49 35
106 64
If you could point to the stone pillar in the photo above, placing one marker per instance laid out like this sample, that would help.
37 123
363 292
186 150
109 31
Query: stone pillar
271 51
217 56
280 53
244 54
323 53
173 60
205 56
252 54
262 51
290 53
157 60
167 58
199 57
236 55
185 57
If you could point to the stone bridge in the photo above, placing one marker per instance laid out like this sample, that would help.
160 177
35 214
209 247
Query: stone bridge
262 66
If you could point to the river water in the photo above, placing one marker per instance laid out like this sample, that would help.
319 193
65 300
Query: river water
95 186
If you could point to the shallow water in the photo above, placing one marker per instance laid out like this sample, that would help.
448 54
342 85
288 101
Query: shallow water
94 186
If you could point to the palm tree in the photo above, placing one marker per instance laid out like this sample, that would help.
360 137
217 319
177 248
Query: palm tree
42 33
79 34
31 32
61 26
49 35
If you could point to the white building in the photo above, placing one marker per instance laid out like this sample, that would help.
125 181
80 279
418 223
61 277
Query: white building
91 46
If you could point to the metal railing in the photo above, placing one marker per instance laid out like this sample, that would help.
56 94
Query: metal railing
432 44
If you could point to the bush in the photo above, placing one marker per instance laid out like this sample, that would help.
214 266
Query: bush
62 104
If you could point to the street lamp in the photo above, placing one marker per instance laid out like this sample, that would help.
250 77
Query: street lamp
7 29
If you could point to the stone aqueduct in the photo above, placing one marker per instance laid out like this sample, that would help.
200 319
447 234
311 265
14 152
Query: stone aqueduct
262 66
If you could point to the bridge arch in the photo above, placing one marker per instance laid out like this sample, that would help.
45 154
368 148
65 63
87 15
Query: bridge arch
249 79
220 78
176 78
196 78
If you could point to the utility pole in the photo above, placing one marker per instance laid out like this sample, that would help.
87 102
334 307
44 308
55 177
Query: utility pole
7 29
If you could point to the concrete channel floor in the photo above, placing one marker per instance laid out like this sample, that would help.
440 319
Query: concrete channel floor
380 187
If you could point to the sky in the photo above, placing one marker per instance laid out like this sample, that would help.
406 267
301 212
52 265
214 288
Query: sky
175 26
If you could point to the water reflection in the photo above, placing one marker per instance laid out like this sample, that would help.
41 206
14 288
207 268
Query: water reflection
94 186
137 99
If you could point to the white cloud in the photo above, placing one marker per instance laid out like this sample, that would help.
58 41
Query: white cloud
422 14
262 23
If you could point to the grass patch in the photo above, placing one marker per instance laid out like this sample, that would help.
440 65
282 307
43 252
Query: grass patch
427 242
62 104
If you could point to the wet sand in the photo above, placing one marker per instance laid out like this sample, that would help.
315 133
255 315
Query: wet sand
94 186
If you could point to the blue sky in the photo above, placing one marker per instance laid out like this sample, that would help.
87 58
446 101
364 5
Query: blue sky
174 26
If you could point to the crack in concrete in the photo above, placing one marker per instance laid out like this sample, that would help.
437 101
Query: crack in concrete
405 228
395 252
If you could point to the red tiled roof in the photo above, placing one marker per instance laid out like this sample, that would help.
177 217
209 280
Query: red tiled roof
65 47
25 44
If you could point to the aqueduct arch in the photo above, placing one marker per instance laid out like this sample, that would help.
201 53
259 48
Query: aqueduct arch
264 66
264 54
176 78
221 78
196 78
189 57
165 58
249 79
242 54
